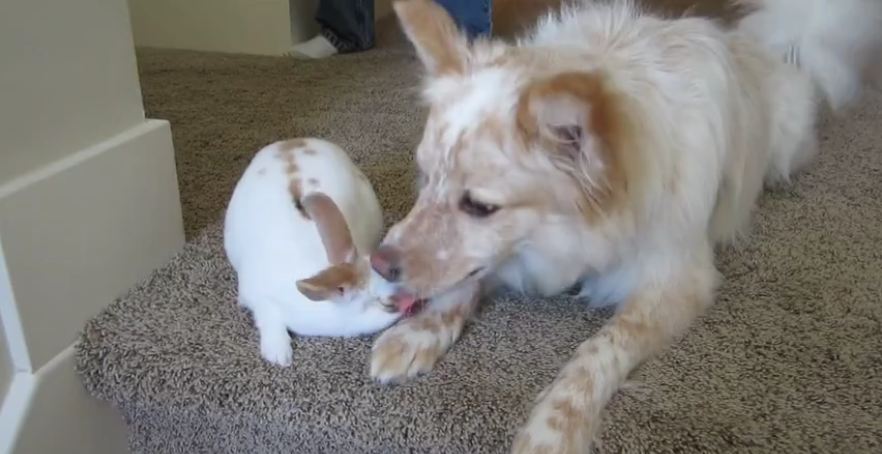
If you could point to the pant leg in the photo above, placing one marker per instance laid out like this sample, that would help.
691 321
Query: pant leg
347 24
474 17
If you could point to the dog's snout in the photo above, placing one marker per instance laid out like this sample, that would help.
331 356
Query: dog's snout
386 261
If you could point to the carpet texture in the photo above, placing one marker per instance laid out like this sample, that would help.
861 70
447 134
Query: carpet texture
788 360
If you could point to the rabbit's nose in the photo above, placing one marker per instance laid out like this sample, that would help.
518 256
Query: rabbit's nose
386 261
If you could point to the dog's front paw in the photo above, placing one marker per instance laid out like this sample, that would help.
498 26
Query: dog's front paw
556 426
415 344
277 351
411 347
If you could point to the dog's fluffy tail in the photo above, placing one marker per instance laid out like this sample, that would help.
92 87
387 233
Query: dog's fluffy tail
837 42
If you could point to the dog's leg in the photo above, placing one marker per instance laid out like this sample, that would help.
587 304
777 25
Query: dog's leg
566 416
412 346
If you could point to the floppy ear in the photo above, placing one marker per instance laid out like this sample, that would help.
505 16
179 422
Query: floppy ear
438 41
575 118
331 226
329 283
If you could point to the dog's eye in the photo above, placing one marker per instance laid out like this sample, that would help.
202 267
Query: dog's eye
475 208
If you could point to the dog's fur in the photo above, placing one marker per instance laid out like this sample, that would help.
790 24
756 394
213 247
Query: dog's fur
617 149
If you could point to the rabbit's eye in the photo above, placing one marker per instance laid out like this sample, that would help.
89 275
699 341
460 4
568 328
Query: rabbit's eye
341 290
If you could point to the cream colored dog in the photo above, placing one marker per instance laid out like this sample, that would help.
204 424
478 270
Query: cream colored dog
610 149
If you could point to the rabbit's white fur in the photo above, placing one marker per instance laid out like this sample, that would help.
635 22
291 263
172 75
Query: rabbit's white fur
274 244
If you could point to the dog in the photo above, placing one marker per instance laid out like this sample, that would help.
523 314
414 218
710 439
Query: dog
612 150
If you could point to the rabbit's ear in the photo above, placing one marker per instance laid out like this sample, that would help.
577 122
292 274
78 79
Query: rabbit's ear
329 283
331 226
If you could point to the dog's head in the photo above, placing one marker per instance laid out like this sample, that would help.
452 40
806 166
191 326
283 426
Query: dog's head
510 145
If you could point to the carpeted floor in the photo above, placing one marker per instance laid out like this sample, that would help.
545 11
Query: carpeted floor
788 360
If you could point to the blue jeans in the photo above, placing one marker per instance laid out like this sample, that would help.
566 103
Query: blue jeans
349 24
474 17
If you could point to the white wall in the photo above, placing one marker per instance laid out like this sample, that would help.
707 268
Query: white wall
240 26
6 367
303 25
266 27
88 207
60 91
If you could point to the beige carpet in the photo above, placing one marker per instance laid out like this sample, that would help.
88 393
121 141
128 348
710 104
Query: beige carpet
789 359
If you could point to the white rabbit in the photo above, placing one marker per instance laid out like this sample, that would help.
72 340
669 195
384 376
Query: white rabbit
299 229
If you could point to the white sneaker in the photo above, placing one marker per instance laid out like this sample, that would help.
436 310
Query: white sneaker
318 47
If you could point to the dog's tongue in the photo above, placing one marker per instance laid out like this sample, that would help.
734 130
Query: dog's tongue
406 303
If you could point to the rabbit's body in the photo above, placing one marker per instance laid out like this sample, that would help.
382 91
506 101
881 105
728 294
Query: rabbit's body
276 239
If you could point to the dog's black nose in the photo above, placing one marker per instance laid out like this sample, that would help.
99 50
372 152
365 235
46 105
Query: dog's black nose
386 261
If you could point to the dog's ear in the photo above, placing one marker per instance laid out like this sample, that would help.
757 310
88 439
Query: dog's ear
575 118
438 42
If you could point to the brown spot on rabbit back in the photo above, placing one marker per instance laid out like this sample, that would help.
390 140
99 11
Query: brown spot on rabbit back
296 195
287 156
292 144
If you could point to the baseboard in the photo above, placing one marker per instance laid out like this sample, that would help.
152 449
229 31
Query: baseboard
50 412
77 233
